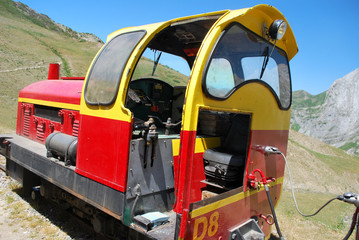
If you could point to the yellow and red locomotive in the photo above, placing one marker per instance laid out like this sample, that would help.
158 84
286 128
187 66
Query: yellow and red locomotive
141 155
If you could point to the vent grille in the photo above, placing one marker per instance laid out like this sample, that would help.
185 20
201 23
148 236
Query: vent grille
40 132
75 128
26 126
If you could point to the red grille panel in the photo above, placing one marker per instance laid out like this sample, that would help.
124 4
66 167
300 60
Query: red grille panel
40 132
75 128
27 122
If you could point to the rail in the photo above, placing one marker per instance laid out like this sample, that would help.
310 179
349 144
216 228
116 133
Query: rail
3 167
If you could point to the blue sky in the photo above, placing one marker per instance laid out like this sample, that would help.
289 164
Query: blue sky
326 31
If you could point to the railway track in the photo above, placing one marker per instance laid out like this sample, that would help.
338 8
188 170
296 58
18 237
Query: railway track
2 167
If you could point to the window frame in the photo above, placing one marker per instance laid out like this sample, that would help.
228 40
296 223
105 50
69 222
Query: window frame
229 94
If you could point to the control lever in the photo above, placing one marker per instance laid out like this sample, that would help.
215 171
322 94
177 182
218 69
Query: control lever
152 137
168 125
148 134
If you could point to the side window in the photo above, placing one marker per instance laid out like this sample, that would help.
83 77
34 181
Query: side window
220 80
104 78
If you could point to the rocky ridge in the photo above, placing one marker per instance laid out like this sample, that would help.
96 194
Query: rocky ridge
44 21
332 116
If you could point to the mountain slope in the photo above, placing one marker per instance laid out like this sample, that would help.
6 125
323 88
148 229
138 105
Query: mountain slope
331 116
27 47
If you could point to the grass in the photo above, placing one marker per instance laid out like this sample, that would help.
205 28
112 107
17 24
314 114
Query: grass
65 64
144 69
19 215
331 223
14 185
9 199
295 127
317 169
349 145
341 162
332 217
303 99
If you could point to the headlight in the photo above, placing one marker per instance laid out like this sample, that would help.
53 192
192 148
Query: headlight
277 29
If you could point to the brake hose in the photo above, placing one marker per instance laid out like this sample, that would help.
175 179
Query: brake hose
295 200
265 183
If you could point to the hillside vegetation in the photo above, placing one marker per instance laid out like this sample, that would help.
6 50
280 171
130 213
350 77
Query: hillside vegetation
304 100
172 76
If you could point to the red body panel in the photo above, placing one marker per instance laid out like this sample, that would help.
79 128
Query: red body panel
73 78
198 176
103 155
272 165
184 190
54 71
60 91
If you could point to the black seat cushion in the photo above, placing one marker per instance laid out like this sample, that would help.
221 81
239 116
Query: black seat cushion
214 155
223 166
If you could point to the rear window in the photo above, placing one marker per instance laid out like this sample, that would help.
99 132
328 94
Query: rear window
104 78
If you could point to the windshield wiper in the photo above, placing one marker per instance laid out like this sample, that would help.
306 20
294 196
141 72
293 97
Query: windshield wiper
155 61
266 58
265 62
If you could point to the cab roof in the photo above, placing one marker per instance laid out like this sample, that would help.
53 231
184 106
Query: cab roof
177 35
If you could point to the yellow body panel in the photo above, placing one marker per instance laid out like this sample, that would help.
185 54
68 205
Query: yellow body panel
265 117
253 98
50 104
200 146
232 199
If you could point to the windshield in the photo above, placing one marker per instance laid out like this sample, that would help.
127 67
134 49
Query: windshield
170 68
238 59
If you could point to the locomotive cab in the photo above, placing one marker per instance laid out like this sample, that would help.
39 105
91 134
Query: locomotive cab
156 148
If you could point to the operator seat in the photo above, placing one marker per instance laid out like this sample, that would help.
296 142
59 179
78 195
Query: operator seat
225 164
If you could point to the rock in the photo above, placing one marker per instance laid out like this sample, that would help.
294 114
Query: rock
336 121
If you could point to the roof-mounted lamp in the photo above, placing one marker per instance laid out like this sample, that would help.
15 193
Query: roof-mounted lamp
277 29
